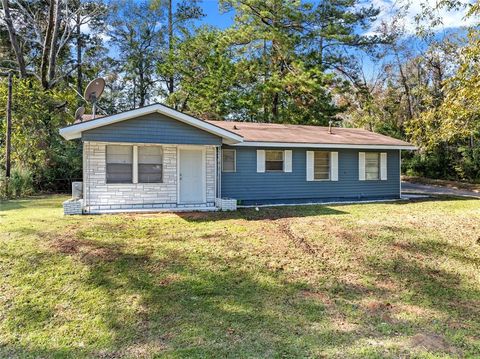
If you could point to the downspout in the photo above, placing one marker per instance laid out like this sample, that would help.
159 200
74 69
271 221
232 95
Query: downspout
219 172
87 177
84 182
400 170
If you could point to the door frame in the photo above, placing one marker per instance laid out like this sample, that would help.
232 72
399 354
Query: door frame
204 172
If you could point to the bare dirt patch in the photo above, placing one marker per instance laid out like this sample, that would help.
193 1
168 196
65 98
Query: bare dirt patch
169 279
379 309
299 241
317 296
432 342
137 350
86 251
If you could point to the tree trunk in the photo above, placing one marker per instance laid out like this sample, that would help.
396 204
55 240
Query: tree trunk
79 57
276 66
320 52
52 63
407 90
13 40
275 103
141 89
170 81
8 144
438 81
265 76
46 45
134 92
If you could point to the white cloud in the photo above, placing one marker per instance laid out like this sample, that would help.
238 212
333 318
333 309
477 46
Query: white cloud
449 19
86 29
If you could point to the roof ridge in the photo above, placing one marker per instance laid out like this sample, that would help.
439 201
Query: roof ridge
289 124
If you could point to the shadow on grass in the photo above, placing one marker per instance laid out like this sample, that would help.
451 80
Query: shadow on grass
264 213
10 205
442 248
279 212
197 307
206 304
41 201
433 287
433 198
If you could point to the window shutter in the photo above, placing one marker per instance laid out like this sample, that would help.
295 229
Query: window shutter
334 166
361 166
383 166
310 161
288 161
260 161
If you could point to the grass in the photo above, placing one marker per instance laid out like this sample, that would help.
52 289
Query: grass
366 280
468 186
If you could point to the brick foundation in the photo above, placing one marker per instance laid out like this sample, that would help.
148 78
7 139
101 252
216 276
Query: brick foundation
72 207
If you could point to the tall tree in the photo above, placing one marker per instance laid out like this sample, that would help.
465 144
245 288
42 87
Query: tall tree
179 26
40 34
275 83
22 68
89 24
206 75
134 30
334 29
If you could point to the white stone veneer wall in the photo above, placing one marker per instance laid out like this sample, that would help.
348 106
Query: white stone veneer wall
99 195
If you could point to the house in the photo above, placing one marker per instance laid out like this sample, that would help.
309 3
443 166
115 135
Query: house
155 158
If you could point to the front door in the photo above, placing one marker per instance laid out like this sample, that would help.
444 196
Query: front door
191 176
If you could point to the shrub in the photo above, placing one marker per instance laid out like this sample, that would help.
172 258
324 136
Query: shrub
20 183
452 164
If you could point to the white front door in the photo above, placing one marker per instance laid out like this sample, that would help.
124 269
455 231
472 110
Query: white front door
191 176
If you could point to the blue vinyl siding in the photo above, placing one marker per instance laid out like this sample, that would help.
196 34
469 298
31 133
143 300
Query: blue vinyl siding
153 128
279 187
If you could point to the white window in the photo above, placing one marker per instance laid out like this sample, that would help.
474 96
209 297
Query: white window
228 160
119 164
321 165
150 164
372 166
274 161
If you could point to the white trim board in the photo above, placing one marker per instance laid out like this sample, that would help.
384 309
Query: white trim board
322 145
152 210
75 131
231 138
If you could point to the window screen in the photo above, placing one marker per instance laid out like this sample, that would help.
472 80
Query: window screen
273 160
372 165
150 164
228 160
119 164
321 165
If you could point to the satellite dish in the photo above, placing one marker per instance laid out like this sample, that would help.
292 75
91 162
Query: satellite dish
94 89
79 113
93 92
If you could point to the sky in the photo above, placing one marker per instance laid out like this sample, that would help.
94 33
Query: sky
450 19
214 16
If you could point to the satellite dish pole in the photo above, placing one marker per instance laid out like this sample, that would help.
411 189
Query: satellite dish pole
93 92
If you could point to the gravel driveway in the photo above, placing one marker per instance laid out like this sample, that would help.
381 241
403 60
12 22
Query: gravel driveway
417 188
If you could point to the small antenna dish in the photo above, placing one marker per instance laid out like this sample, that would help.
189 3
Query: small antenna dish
79 113
93 92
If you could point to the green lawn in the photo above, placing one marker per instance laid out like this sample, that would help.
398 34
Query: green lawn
366 280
